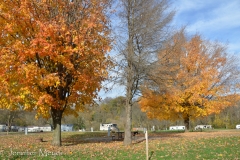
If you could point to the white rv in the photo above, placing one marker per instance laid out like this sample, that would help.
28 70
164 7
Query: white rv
21 129
177 128
67 127
203 127
45 128
14 128
3 127
112 126
238 126
33 129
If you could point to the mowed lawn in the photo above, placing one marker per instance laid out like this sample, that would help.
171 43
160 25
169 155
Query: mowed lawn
215 144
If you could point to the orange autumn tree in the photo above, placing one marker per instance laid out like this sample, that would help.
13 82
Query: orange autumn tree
200 79
53 56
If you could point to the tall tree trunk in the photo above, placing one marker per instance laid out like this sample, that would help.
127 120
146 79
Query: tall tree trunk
129 97
128 123
145 25
130 74
186 122
10 118
56 118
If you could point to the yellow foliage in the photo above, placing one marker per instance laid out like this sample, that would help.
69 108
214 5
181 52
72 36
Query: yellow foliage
197 87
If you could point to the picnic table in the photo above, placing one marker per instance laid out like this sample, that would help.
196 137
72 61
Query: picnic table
121 133
134 133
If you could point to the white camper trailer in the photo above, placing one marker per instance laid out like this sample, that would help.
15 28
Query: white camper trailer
45 128
104 127
238 126
21 129
3 127
177 128
203 127
67 127
14 128
33 129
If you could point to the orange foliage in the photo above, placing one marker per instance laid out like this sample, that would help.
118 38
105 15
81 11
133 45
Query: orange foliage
52 54
202 81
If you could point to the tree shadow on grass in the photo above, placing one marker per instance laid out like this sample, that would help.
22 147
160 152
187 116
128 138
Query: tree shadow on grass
75 140
90 137
71 142
155 137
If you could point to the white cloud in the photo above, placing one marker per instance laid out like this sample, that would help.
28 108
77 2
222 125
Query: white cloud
186 5
226 17
214 19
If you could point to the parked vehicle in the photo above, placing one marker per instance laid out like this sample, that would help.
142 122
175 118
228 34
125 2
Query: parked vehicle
33 129
203 127
67 127
21 129
177 128
3 127
238 126
45 128
14 128
111 126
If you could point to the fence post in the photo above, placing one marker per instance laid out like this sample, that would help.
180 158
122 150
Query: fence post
146 136
108 131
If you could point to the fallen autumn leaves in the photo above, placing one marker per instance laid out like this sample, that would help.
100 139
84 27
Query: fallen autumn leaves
196 145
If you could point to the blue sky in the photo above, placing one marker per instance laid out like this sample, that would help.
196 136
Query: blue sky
215 20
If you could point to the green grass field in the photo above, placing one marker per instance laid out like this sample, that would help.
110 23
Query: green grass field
219 144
